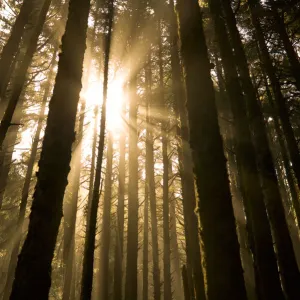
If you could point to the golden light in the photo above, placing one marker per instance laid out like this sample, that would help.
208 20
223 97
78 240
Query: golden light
115 98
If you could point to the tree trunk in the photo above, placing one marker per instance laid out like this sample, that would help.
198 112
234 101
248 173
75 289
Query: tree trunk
185 283
70 212
175 251
224 274
21 72
105 233
120 217
89 247
33 272
145 244
27 181
166 206
12 45
150 180
186 167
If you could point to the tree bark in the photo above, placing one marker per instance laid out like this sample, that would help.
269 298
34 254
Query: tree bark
186 167
33 272
117 294
89 247
105 233
224 274
26 185
150 180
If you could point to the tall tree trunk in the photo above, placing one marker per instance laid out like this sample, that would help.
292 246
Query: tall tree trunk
145 245
224 274
185 283
280 105
89 247
257 219
70 212
33 272
105 233
131 277
21 72
27 181
150 180
117 294
175 251
288 46
12 45
166 206
186 166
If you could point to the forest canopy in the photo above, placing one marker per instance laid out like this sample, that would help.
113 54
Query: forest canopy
149 149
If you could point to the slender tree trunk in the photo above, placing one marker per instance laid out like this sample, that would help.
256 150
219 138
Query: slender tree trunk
71 212
145 245
120 217
27 181
175 251
89 247
280 105
133 201
12 45
105 233
186 167
166 206
33 272
21 72
150 180
224 274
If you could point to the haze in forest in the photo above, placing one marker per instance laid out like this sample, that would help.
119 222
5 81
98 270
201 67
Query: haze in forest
149 149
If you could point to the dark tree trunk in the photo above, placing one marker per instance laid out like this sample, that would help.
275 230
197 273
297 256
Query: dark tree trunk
89 247
257 219
33 272
26 186
185 283
21 72
186 167
150 180
118 270
105 233
224 274
12 45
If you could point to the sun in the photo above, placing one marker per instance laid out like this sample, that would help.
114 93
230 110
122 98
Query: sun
115 100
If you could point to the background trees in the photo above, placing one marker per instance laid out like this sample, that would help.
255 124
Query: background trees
183 182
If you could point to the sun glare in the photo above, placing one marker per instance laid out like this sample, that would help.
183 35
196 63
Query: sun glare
115 98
